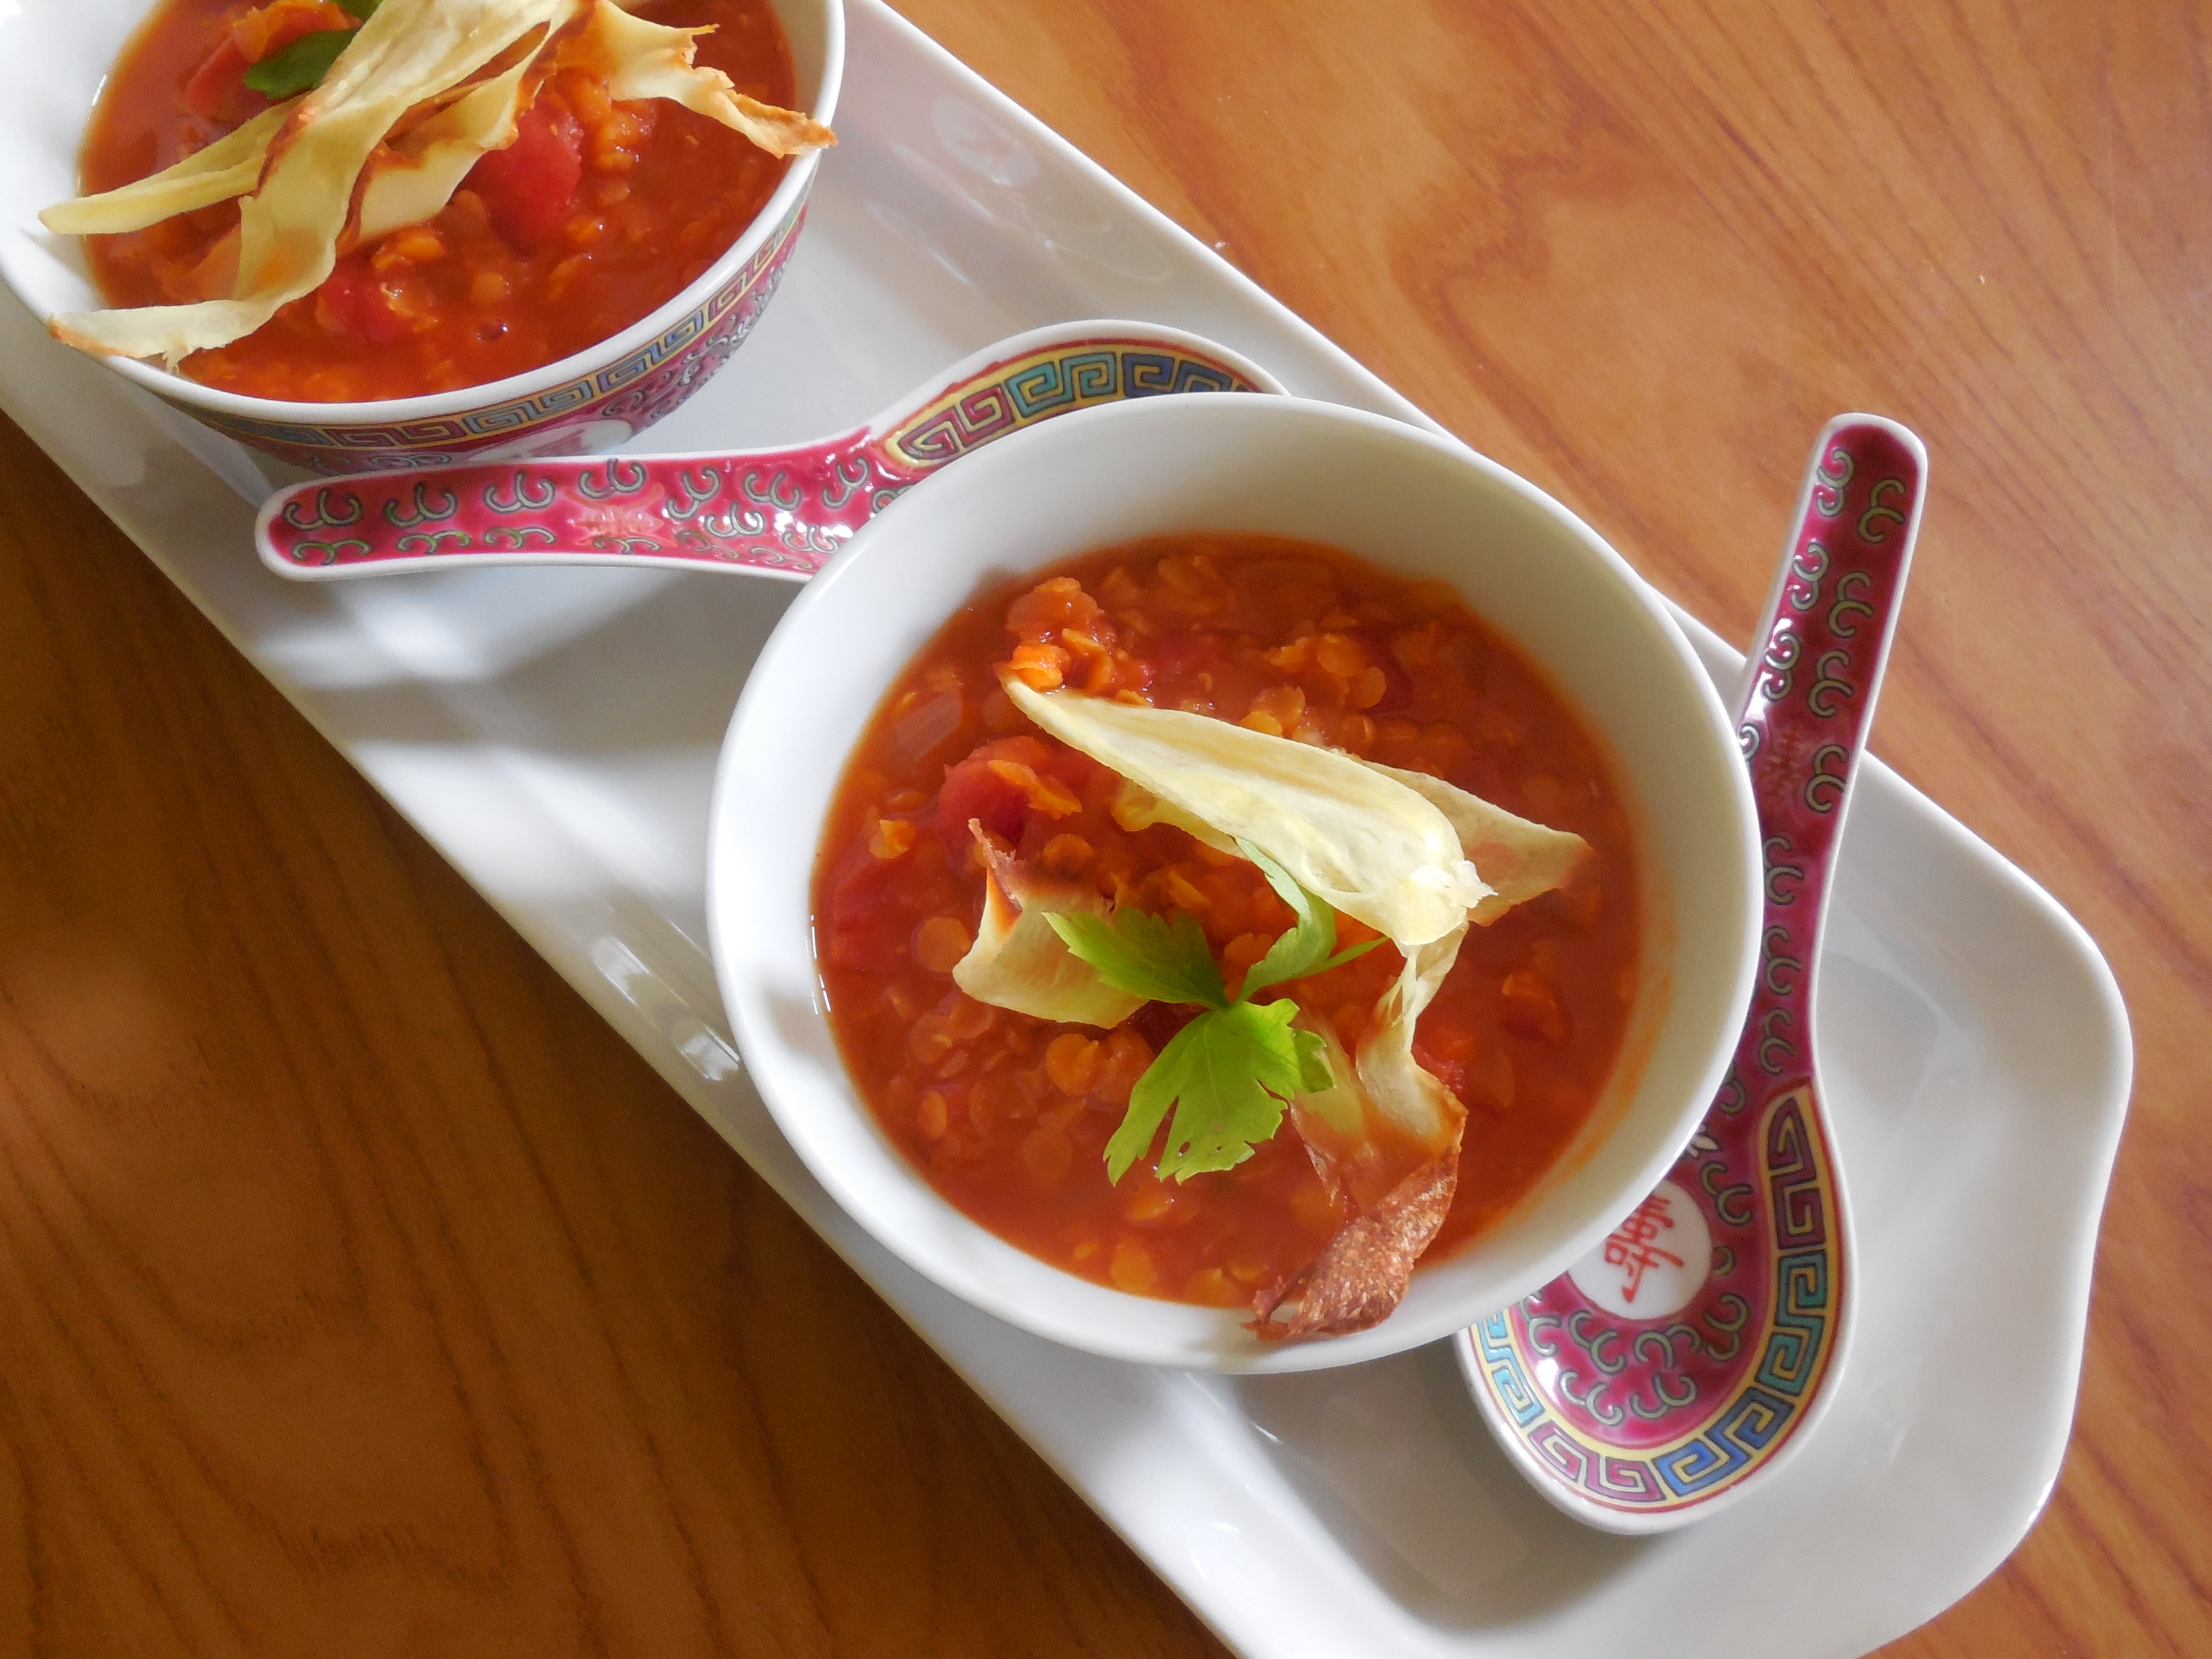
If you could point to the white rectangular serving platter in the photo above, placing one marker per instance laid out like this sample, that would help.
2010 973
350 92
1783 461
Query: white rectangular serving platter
554 734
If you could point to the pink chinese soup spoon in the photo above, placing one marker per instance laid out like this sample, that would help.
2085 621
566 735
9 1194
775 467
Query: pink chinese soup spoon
1689 1355
775 512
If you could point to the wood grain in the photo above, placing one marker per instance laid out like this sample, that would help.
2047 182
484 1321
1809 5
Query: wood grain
363 1294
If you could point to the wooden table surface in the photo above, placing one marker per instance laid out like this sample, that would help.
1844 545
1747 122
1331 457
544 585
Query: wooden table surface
360 1294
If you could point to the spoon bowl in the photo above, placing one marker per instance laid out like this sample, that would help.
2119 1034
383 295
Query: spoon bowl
1689 1356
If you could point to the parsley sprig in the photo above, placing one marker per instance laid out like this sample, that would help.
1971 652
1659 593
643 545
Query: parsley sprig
1229 1073
302 64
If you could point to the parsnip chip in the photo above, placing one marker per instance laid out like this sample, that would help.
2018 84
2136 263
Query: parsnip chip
305 163
1410 855
413 179
1385 1134
288 229
1354 1150
1019 962
1359 1279
1518 859
1383 1115
1406 1096
1386 1131
1366 844
229 166
651 60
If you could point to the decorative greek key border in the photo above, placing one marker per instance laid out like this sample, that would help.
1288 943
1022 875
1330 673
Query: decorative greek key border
1797 1341
1050 381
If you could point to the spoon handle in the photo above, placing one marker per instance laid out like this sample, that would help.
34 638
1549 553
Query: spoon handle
1691 1351
777 512
1815 666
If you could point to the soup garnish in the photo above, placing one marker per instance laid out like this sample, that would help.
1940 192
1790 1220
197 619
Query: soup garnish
428 182
1237 949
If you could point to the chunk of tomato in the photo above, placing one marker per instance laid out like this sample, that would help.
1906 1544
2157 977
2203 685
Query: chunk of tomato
972 790
217 91
526 188
352 301
1446 1060
866 922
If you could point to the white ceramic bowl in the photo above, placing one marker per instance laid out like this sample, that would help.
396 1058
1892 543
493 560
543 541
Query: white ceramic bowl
52 58
1399 497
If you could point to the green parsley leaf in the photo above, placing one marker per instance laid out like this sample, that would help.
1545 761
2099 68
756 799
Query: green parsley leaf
300 65
1303 950
1228 1075
363 9
1146 956
1316 1075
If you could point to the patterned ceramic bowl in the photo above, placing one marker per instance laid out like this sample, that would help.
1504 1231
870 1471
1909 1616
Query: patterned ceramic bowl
1396 496
52 58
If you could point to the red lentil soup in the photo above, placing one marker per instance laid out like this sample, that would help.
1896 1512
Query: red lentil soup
598 212
1008 1115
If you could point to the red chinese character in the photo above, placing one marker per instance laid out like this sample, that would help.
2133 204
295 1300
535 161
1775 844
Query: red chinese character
1631 1245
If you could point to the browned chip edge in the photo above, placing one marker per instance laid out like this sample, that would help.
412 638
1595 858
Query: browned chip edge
1361 1278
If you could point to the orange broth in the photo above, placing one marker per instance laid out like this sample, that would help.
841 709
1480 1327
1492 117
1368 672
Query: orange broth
1008 1115
459 301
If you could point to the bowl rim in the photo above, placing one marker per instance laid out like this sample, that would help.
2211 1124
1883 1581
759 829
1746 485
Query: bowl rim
767 1056
785 201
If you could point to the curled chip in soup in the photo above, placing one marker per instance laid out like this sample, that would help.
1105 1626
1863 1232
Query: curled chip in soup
1221 919
350 200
